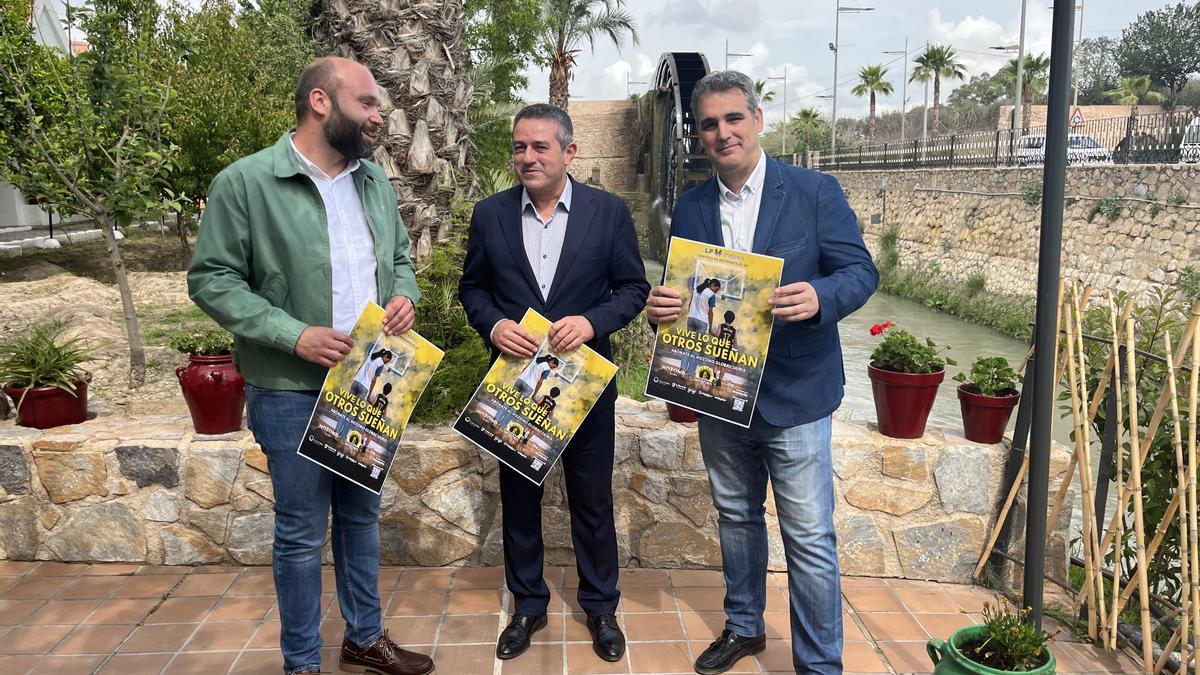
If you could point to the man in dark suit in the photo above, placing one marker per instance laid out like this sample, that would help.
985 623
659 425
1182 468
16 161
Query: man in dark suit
570 252
757 204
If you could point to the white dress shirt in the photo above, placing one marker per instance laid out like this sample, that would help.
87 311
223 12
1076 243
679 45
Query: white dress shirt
351 244
739 211
543 240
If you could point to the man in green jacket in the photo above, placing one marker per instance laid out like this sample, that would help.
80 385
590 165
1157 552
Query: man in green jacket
295 240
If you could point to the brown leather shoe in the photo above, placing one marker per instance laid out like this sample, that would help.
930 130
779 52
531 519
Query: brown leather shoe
384 657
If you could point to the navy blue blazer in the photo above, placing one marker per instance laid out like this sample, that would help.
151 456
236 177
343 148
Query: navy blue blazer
600 275
805 219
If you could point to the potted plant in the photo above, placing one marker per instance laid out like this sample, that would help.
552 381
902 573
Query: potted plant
987 398
212 386
42 371
905 373
1006 642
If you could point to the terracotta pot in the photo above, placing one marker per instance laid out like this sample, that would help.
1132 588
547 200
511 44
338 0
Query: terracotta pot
903 400
214 391
985 417
46 407
680 414
949 657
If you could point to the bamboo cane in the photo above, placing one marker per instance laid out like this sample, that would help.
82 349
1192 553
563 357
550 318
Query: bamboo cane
1168 649
1068 477
1189 333
1020 477
1181 490
1191 496
1136 495
1085 477
1087 593
1118 546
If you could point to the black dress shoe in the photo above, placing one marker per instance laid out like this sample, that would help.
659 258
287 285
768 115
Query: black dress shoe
607 639
727 650
514 639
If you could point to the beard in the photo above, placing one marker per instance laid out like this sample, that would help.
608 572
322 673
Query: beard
345 135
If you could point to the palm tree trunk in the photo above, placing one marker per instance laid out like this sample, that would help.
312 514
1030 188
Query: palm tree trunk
807 142
1026 109
414 49
871 127
937 103
559 85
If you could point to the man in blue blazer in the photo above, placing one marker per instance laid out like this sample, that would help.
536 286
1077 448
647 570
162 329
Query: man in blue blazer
570 252
757 204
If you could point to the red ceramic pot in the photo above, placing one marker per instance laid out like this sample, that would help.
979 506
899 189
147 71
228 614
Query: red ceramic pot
680 414
46 407
903 400
985 417
214 391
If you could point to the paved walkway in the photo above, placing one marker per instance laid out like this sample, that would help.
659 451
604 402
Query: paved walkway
134 620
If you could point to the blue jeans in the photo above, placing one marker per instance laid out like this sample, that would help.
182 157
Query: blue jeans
799 463
343 425
304 495
689 361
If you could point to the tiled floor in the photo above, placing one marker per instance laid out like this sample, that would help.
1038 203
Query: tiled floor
130 620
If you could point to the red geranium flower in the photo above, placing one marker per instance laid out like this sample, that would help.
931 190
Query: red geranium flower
880 327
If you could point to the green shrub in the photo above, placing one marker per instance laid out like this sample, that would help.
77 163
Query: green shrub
889 252
41 356
1109 207
631 352
1010 641
211 342
1188 284
991 376
1031 192
976 283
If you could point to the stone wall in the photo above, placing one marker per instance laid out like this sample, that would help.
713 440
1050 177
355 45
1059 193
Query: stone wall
968 221
148 489
603 130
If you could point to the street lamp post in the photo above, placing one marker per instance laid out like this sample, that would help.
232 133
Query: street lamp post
785 107
833 46
903 93
1078 42
729 54
1017 49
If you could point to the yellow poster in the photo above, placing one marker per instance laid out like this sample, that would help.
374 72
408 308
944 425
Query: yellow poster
711 358
367 399
526 410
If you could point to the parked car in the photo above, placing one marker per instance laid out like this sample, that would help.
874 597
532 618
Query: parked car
1081 149
1189 146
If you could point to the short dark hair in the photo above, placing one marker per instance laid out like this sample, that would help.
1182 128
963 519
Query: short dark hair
554 391
320 74
722 81
729 317
545 111
557 363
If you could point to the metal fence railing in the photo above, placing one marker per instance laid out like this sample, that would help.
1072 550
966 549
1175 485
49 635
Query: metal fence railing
1164 138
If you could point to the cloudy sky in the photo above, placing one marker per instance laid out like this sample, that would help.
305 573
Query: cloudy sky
794 35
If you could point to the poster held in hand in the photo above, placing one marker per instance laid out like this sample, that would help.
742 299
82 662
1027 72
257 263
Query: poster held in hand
711 358
366 401
526 411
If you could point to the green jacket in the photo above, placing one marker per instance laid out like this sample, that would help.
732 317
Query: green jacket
262 269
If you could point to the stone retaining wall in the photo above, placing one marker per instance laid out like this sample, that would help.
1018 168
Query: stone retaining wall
968 221
147 489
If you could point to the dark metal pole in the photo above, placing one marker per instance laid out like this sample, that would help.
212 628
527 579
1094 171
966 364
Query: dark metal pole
1049 251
